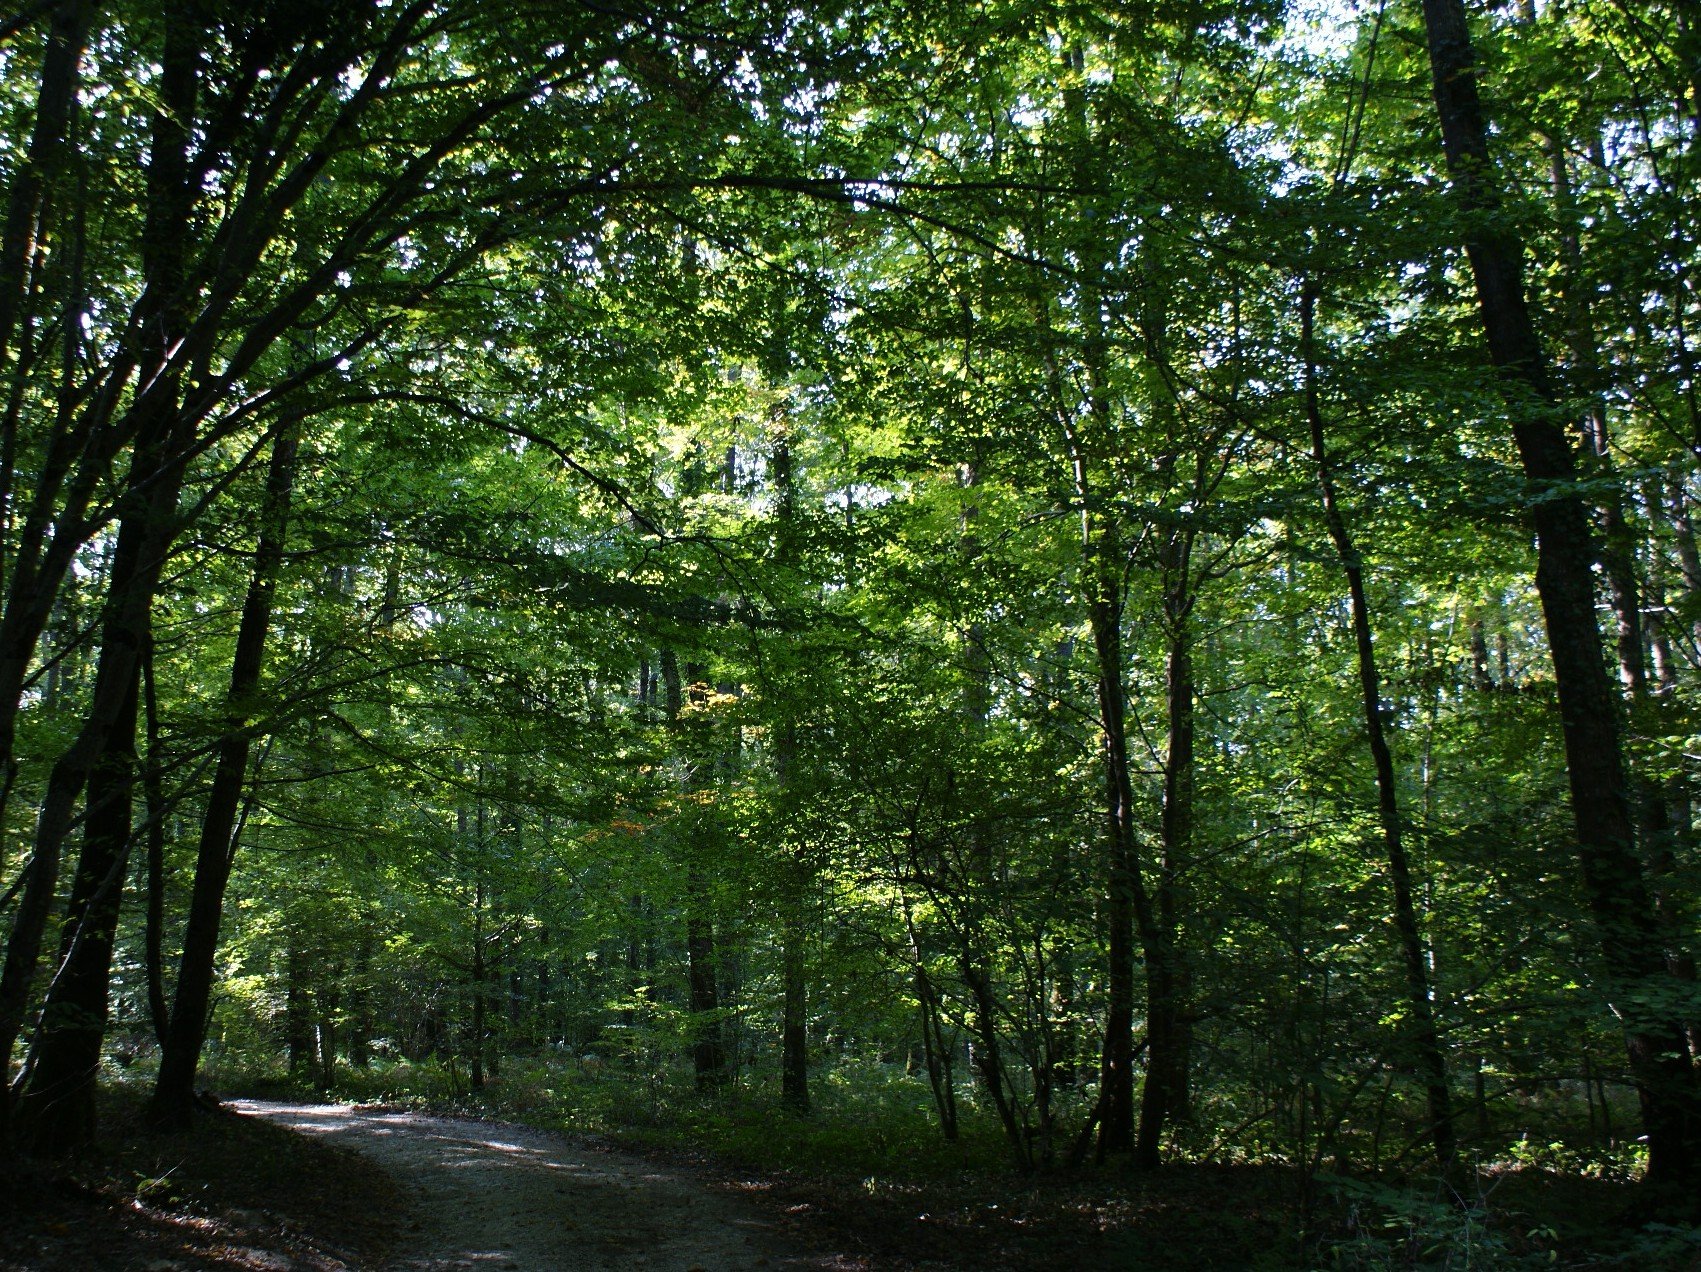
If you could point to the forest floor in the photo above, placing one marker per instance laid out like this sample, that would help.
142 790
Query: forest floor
270 1187
285 1187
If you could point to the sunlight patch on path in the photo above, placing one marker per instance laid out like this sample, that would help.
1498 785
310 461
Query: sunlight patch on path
488 1195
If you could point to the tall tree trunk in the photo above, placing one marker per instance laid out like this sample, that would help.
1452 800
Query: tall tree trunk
173 1100
298 1008
1116 1065
327 1002
57 1107
153 885
978 879
1677 792
1102 570
480 987
1655 829
1082 400
1165 1095
794 1029
989 1056
30 187
1618 541
708 1048
360 1000
147 513
56 1112
1424 1039
798 874
1632 960
936 1050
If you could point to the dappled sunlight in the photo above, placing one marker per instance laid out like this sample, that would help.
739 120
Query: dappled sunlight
946 602
507 1196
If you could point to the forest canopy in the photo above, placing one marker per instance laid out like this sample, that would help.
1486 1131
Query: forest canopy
1122 574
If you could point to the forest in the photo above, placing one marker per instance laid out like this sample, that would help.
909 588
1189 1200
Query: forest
1095 587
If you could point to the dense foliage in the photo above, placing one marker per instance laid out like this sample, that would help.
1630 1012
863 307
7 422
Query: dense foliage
1127 571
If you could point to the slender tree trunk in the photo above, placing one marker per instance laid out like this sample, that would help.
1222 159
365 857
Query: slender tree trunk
1683 544
328 1001
360 1002
989 1057
798 876
496 1032
1613 874
638 989
30 186
1129 905
936 1051
1618 541
1085 416
1424 1039
794 1033
1677 793
480 979
298 1009
1482 679
153 792
708 1048
1655 829
975 960
1165 1095
1116 1065
173 1100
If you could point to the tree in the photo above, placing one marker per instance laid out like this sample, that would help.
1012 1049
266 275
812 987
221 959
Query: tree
1613 872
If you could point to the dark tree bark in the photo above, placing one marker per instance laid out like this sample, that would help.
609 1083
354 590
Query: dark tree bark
39 259
1083 401
194 312
794 1028
360 1004
146 526
57 1106
1656 829
1631 958
989 1056
936 1048
173 1100
1677 794
1116 1065
59 1098
1428 1059
31 184
480 992
153 883
977 881
1165 1095
708 1047
1482 679
794 1013
298 1009
327 1002
56 1112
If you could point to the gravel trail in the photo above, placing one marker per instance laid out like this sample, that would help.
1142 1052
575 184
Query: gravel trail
489 1195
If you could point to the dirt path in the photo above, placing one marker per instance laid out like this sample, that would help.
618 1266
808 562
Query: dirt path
489 1195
